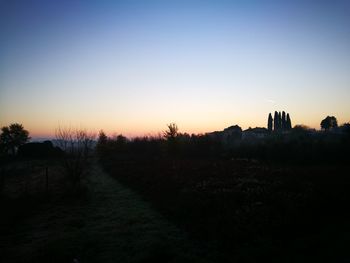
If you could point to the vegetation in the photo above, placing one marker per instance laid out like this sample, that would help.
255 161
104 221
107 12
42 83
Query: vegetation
269 123
101 222
281 122
40 150
247 202
228 196
76 145
12 137
172 132
329 123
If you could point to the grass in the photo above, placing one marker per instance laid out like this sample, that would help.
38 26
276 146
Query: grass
104 223
183 211
248 211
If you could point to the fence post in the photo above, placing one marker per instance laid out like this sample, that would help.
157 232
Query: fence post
47 179
2 180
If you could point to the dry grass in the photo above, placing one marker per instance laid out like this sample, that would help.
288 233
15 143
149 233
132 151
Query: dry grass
104 223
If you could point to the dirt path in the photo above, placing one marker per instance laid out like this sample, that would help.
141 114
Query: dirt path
114 224
132 230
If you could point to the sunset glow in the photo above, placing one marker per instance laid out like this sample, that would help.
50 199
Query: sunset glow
132 67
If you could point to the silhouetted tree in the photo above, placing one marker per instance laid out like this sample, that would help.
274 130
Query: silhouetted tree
276 122
12 137
121 141
102 141
76 145
288 122
329 122
102 138
269 123
345 128
171 135
284 121
301 127
279 121
172 132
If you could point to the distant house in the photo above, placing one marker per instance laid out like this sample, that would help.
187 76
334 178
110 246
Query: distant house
255 133
228 136
232 133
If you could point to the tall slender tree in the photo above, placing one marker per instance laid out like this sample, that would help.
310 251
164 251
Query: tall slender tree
284 121
289 122
275 123
269 123
279 121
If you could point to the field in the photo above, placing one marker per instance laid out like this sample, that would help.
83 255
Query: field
158 208
245 210
99 221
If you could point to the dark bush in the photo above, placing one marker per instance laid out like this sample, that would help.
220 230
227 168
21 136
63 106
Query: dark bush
39 150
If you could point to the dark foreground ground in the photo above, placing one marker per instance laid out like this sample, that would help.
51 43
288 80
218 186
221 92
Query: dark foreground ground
97 221
172 210
248 211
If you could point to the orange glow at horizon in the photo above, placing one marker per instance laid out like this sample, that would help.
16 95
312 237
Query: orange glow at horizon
42 129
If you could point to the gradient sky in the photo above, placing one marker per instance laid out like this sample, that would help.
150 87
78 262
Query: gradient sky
132 66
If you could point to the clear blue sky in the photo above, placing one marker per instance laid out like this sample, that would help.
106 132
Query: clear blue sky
131 67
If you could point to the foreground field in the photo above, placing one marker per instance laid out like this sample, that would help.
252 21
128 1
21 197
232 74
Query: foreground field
247 211
193 210
101 221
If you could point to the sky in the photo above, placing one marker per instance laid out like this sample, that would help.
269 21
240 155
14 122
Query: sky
133 66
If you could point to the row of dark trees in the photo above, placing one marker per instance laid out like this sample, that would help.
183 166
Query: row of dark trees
280 122
14 137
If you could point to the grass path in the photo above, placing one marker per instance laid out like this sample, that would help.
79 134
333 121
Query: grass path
113 224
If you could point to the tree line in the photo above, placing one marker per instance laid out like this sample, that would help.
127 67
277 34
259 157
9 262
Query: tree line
280 122
14 138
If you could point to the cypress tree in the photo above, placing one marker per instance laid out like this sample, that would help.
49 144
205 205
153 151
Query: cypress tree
284 122
269 123
289 123
279 121
275 123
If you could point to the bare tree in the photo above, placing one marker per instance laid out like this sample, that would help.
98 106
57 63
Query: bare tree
77 145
